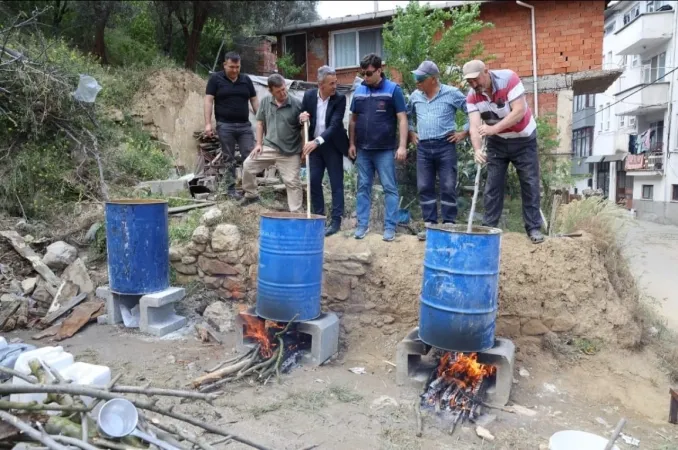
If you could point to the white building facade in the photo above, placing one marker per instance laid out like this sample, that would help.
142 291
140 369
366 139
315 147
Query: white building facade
634 143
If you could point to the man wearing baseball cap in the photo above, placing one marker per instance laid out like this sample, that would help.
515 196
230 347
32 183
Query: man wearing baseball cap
431 112
497 98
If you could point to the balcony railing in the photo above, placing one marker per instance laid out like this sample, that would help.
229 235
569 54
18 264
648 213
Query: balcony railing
650 161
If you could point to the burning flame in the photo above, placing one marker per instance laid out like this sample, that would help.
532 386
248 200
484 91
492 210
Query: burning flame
464 370
257 330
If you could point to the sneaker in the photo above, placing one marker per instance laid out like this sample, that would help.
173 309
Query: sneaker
389 235
536 236
332 229
361 232
422 234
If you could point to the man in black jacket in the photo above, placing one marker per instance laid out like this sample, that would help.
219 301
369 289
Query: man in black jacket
328 143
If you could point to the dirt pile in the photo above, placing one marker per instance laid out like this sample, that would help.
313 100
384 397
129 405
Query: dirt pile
170 107
562 285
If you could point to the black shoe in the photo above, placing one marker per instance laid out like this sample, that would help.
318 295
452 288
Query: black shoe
535 236
248 201
235 195
332 229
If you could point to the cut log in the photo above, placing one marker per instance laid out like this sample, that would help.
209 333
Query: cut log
52 281
72 303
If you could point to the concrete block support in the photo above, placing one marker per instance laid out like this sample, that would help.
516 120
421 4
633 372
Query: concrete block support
157 315
324 333
414 369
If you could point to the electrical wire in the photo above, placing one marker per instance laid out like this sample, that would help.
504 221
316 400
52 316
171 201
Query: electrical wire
622 99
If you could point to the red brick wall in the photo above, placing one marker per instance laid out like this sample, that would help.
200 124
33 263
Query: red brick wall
569 39
266 62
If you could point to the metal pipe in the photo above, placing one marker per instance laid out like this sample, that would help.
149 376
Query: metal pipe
534 58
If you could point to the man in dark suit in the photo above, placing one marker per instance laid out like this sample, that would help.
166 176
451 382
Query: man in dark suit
328 143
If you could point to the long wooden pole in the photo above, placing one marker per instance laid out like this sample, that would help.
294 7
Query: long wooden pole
308 175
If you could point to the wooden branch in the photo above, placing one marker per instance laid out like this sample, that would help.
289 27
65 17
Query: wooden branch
179 209
43 438
161 391
72 303
24 250
35 406
181 433
76 389
221 373
27 378
74 442
110 444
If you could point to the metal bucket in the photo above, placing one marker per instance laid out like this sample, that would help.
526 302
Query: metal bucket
290 271
137 242
460 286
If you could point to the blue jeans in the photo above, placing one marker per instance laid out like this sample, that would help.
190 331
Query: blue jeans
383 163
437 157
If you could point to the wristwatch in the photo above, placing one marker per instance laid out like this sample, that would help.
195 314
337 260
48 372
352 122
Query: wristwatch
317 141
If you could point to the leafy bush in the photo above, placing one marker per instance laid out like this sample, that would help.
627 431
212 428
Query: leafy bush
125 51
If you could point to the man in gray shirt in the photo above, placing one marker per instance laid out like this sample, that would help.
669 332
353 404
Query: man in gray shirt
278 142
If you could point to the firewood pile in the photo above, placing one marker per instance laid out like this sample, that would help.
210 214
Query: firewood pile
58 305
71 423
277 350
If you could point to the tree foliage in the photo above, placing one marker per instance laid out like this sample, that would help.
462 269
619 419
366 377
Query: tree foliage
417 33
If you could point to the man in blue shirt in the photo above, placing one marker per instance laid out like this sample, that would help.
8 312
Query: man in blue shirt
433 107
378 125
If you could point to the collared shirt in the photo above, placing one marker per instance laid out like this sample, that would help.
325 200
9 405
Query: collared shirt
283 130
320 117
506 87
231 98
436 117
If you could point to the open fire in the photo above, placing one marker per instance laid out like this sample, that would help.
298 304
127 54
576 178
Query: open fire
278 347
458 386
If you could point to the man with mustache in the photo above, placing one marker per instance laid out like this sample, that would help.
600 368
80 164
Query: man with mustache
497 98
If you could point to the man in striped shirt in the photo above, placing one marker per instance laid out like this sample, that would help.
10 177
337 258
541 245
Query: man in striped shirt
433 108
497 98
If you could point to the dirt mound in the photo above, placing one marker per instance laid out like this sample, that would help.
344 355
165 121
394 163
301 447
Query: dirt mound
170 107
562 285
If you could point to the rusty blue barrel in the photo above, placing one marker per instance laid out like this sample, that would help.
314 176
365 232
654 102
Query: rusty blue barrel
290 271
460 286
137 242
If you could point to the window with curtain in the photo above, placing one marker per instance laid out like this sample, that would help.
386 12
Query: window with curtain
350 46
582 140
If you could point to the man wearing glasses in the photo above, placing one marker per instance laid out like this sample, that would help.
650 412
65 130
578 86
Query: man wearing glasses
497 97
377 127
433 106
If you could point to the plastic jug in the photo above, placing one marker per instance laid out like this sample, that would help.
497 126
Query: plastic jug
57 359
87 374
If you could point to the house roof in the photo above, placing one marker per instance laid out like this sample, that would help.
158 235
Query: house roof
351 19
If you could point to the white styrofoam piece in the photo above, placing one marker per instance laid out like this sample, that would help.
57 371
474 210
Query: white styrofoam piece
3 342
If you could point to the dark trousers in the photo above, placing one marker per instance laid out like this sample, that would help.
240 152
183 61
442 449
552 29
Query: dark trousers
523 153
437 157
230 134
327 158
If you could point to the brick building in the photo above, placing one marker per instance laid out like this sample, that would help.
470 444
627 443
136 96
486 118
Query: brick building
568 39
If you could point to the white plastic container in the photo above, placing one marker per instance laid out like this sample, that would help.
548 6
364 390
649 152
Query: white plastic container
57 359
577 440
3 342
87 374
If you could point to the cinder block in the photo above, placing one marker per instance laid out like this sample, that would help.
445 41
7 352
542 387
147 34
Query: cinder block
410 367
162 298
502 356
157 315
113 302
166 187
324 332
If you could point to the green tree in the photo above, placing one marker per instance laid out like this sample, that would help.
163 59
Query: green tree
417 33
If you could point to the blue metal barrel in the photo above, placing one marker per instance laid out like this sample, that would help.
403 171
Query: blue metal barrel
290 271
137 241
458 303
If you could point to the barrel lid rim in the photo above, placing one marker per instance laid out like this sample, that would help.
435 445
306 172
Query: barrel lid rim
137 201
290 215
462 229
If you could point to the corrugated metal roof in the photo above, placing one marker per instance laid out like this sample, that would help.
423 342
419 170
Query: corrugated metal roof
357 18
